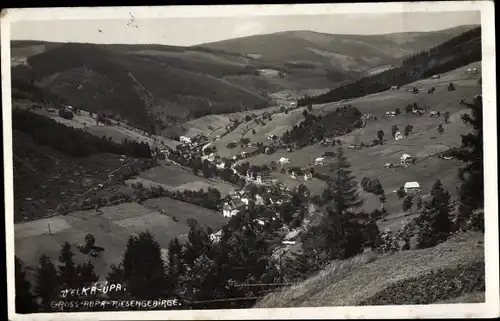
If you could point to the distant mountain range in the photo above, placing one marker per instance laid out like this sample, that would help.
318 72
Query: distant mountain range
141 83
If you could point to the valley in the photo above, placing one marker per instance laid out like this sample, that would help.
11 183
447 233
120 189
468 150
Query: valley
115 140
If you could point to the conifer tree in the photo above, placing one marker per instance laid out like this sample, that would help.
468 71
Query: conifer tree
175 267
341 231
143 267
472 187
67 269
343 186
25 300
442 209
47 282
85 275
425 236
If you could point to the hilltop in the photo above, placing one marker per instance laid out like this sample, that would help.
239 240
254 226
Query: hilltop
337 53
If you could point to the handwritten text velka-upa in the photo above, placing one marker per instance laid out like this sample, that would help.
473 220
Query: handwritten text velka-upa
94 289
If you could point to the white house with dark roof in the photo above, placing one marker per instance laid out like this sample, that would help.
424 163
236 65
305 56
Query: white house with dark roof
406 160
412 187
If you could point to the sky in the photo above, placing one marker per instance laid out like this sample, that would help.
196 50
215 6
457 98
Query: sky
193 31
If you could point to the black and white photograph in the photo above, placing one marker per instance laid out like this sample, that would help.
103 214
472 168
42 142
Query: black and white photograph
226 161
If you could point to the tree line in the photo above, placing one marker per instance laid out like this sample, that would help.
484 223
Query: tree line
72 141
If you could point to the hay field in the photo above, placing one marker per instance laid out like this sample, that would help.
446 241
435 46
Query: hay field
173 177
112 227
183 211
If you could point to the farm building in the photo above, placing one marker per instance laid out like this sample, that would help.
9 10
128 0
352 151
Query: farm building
232 208
472 71
319 161
436 77
390 114
221 165
412 187
308 176
394 87
398 136
406 160
388 165
284 160
434 113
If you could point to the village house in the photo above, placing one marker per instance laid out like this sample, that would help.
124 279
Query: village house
232 208
319 161
398 136
221 165
308 176
185 139
283 161
406 160
434 113
388 165
412 187
436 77
215 237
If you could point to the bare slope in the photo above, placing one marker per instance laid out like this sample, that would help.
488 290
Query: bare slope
444 272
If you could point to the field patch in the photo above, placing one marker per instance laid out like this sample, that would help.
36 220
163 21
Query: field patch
183 211
40 227
176 178
111 227
108 131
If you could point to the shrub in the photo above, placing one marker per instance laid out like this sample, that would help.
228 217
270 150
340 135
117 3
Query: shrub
66 114
231 145
434 286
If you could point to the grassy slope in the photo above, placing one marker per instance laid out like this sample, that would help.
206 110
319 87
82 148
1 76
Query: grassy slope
367 277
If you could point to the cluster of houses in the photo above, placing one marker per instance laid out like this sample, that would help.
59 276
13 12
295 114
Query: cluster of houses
240 199
194 142
472 71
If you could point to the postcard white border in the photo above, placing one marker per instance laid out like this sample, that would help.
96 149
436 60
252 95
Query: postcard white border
488 309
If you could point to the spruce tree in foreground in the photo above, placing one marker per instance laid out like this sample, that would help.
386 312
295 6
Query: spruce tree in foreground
67 269
25 300
85 275
143 268
442 209
47 282
472 187
341 232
